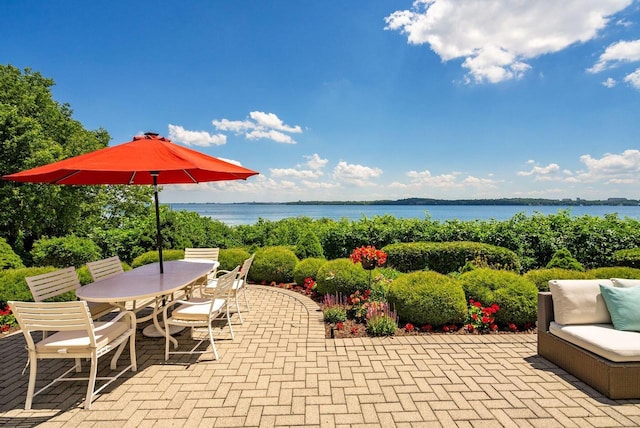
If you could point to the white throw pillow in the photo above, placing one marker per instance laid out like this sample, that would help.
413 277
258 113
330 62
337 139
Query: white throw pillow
579 301
624 283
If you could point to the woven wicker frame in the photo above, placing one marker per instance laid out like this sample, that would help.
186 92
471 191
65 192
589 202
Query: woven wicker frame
614 380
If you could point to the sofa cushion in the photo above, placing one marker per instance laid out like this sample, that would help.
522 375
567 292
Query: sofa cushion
579 301
623 305
621 282
601 339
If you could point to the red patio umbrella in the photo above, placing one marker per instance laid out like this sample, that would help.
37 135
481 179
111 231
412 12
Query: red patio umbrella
148 159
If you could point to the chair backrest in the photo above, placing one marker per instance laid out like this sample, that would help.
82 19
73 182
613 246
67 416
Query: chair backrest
224 287
105 268
244 270
53 316
202 253
53 283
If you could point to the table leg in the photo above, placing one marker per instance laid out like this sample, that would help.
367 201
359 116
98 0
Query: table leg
155 330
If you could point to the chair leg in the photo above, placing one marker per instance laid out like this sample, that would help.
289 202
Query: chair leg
213 345
92 381
229 322
166 343
246 301
238 308
132 352
32 380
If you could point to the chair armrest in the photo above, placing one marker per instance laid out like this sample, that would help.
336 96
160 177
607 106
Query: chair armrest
545 311
122 314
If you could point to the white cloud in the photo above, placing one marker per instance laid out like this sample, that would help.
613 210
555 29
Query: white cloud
543 173
612 166
290 172
472 181
359 175
633 79
270 120
315 162
616 53
260 125
425 178
610 82
496 37
195 138
270 134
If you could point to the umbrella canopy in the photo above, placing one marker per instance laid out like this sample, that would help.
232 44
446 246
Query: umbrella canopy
148 159
136 162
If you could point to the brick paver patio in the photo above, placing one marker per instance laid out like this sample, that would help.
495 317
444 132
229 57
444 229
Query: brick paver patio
281 371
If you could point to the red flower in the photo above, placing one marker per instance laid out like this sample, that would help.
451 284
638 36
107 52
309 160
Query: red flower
368 253
409 327
426 328
493 327
445 328
354 330
470 328
339 326
513 327
474 316
477 304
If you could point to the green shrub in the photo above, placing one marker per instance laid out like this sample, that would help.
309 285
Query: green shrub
64 252
541 277
307 268
428 298
382 325
446 257
628 258
13 285
341 276
334 314
564 260
516 296
232 257
8 258
309 246
614 272
273 264
152 257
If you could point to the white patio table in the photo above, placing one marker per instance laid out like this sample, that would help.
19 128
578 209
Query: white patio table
146 282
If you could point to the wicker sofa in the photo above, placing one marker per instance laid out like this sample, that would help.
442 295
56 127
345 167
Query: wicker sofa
576 333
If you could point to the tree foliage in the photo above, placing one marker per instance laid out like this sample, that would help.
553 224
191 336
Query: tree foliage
36 130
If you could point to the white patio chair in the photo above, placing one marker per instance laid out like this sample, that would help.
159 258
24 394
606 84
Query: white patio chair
240 284
201 312
53 284
105 268
203 253
76 336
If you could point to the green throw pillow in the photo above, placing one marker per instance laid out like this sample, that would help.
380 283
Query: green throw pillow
623 305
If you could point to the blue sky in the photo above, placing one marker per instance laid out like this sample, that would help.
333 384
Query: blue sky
356 100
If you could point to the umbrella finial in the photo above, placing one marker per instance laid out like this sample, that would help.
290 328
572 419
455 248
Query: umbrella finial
151 134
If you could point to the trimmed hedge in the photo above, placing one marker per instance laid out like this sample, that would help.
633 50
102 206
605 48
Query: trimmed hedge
307 268
428 298
564 260
614 272
13 285
447 257
8 258
64 252
273 264
309 246
152 257
342 276
232 257
516 296
628 258
541 277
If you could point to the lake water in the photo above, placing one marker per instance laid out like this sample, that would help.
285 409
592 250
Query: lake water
237 214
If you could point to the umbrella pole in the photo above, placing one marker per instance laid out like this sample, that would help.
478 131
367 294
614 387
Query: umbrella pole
158 234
